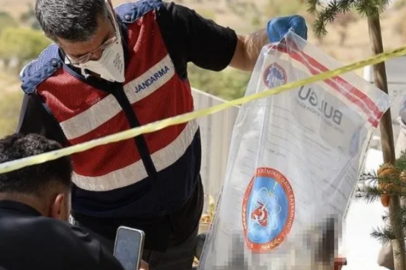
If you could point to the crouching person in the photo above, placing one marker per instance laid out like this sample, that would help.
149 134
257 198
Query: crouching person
34 208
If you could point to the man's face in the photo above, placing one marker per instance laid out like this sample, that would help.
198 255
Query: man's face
92 49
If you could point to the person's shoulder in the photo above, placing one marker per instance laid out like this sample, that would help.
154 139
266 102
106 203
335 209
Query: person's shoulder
38 70
69 245
75 242
60 229
77 247
132 11
58 233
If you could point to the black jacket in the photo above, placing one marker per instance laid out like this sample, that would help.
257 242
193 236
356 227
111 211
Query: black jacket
31 241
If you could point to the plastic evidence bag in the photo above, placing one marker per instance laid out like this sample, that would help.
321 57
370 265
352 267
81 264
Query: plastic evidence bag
293 164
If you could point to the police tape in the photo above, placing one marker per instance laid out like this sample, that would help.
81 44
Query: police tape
184 118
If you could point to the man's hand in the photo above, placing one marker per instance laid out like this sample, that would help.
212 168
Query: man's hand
249 46
144 266
277 28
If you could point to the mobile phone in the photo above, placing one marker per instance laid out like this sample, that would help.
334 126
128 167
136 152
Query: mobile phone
128 247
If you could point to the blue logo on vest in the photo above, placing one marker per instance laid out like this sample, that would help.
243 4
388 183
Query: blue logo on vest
268 210
151 80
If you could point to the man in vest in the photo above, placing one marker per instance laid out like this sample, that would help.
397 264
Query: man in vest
109 71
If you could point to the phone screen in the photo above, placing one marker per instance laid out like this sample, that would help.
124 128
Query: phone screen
128 247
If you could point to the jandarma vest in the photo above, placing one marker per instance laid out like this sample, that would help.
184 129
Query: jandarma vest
150 175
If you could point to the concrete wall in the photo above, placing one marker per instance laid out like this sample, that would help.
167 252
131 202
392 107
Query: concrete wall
216 131
396 76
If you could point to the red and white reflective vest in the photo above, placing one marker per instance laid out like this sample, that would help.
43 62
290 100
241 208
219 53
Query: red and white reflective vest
154 173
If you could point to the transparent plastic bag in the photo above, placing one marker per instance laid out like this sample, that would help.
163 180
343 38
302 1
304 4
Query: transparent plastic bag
293 164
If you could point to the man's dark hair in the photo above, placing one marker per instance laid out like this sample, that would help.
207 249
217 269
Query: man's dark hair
73 20
33 179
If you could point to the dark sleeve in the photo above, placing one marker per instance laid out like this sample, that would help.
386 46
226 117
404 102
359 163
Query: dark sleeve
35 119
74 248
97 256
192 38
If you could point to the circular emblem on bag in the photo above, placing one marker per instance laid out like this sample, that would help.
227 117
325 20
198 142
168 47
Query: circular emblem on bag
274 76
268 210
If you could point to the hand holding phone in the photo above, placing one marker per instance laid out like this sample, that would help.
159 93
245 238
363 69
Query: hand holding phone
144 266
128 248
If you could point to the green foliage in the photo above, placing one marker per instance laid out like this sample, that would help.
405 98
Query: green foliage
229 84
29 18
400 4
10 103
257 22
391 182
327 13
6 21
245 10
23 44
207 14
283 8
238 7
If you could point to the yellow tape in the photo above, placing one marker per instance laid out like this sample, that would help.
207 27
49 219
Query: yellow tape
127 134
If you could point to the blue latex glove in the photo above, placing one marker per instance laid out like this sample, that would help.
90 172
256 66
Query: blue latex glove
277 28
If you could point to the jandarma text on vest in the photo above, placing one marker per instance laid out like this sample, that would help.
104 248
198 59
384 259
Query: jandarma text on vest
160 73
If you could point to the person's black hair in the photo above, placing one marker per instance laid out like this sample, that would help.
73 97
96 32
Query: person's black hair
33 179
73 20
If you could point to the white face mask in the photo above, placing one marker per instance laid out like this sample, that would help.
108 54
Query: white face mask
111 65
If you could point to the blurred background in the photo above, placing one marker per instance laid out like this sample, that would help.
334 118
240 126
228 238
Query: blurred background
21 40
347 40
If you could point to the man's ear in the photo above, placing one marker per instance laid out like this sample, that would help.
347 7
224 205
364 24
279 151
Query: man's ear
58 206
